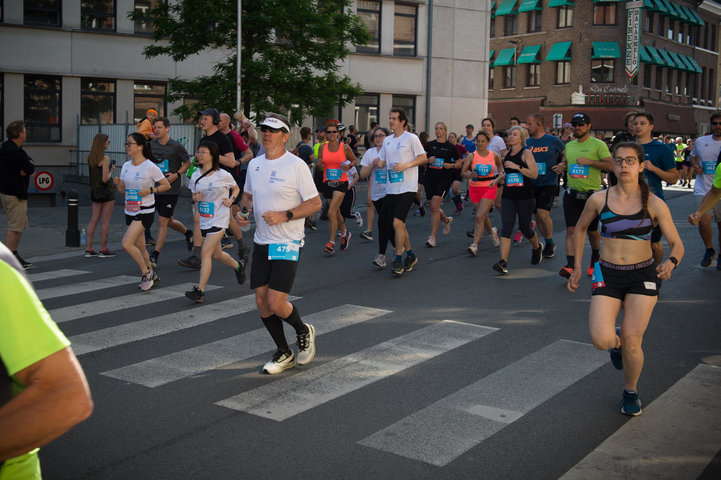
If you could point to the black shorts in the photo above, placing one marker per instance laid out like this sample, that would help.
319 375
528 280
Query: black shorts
656 234
277 274
544 197
422 173
206 231
456 177
617 281
328 189
240 180
572 209
165 205
400 204
437 184
146 218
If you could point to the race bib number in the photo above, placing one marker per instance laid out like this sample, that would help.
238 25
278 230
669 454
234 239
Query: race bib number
482 169
381 176
709 167
395 177
597 277
333 173
514 180
206 209
163 166
578 171
284 251
132 200
541 168
437 163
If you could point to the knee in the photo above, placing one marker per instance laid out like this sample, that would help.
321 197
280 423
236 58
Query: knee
397 224
603 342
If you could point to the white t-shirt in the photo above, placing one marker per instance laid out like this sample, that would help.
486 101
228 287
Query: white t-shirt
706 150
214 188
497 145
276 186
138 178
402 149
352 174
378 177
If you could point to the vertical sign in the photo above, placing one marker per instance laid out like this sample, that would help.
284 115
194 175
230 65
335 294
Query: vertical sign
633 37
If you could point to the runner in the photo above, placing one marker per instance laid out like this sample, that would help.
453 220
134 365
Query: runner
517 198
214 192
280 191
137 179
497 145
442 159
626 275
687 166
482 169
374 167
468 141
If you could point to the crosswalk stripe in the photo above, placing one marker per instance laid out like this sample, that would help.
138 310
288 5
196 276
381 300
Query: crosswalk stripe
453 425
298 393
53 274
685 425
60 315
155 326
84 287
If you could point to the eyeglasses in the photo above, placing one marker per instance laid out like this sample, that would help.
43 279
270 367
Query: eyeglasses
715 123
328 132
265 128
628 160
200 153
127 144
379 135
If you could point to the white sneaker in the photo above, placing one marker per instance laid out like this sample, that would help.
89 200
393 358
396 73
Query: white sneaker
358 219
306 346
281 361
380 260
447 226
146 282
496 240
473 249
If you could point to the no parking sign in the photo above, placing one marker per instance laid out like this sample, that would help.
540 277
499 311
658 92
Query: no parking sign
44 181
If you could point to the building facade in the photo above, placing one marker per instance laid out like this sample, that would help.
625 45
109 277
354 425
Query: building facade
563 56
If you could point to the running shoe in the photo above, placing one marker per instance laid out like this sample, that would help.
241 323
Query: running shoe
380 260
447 226
431 242
345 241
226 243
469 233
190 262
367 235
359 221
494 237
306 345
631 403
156 278
240 272
25 264
457 211
189 240
472 249
329 248
324 215
566 272
106 254
310 224
518 237
154 258
537 254
282 360
89 253
196 295
417 213
422 211
397 267
409 263
146 282
589 270
501 267
708 257
617 353
549 251
149 240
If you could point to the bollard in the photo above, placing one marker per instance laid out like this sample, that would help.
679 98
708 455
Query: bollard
72 234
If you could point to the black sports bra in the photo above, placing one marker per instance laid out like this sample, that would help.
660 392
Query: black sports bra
627 227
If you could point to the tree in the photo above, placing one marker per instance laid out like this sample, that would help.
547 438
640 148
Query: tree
291 53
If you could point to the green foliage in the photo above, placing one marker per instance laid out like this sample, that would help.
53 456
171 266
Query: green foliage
291 57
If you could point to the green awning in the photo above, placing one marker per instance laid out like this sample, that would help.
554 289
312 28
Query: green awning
661 7
688 13
505 57
529 5
530 54
683 16
490 55
493 7
672 9
645 57
679 63
694 64
687 62
606 50
560 3
606 1
666 58
657 59
649 5
696 18
558 52
506 8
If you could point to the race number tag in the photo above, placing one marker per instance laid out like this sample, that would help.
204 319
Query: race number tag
284 251
597 277
709 167
482 169
132 200
206 209
541 168
578 171
333 173
164 166
514 180
381 176
437 163
395 177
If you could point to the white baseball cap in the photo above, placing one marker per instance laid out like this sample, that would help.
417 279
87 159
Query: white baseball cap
273 122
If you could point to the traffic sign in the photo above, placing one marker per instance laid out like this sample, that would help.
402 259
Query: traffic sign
44 181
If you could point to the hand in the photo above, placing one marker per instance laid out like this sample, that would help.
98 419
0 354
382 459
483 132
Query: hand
649 166
198 197
274 218
694 218
242 221
559 168
698 169
430 159
23 174
228 202
345 166
583 161
574 280
509 164
399 167
664 270
381 163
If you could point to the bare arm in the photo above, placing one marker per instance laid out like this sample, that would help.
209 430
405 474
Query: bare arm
305 209
532 170
605 163
665 221
709 200
247 156
668 176
228 159
350 156
107 169
367 169
592 208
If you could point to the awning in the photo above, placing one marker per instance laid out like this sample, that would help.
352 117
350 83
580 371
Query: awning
683 16
694 64
493 7
490 55
661 7
672 9
657 59
606 50
666 58
677 60
530 54
506 8
697 20
558 52
529 5
560 3
505 57
606 1
687 62
649 5
645 57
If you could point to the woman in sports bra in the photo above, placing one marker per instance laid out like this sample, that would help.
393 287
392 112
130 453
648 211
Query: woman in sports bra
626 274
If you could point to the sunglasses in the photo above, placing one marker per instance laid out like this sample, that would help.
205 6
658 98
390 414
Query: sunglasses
715 123
265 128
331 131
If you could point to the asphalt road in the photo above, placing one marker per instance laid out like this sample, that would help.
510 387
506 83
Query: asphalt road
449 371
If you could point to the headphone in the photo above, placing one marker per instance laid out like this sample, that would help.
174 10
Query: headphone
214 113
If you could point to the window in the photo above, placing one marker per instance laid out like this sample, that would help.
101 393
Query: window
366 111
648 20
97 15
510 24
97 101
669 80
148 95
404 29
492 31
659 78
42 12
565 17
491 74
693 35
679 33
712 42
602 70
534 75
370 12
646 76
681 83
335 114
42 108
407 103
534 21
509 76
563 73
604 14
711 87
661 25
670 34
145 26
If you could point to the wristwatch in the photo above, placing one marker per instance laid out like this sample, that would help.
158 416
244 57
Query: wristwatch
673 260
289 215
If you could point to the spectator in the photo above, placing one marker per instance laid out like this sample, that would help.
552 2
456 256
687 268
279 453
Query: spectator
368 139
145 126
102 195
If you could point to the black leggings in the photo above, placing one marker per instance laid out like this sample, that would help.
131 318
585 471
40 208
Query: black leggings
523 208
348 202
385 225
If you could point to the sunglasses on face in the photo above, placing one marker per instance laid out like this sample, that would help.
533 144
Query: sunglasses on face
329 132
265 128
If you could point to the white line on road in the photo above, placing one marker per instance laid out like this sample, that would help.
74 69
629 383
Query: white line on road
74 288
453 425
298 393
53 274
172 367
675 438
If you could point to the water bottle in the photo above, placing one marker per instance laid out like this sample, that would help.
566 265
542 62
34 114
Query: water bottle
246 215
83 238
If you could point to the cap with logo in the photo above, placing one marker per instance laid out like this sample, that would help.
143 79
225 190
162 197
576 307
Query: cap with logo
580 118
273 122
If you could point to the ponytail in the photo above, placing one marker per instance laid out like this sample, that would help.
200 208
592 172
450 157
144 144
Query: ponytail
644 195
145 144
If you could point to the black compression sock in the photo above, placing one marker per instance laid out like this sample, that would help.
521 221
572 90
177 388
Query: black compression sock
275 328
